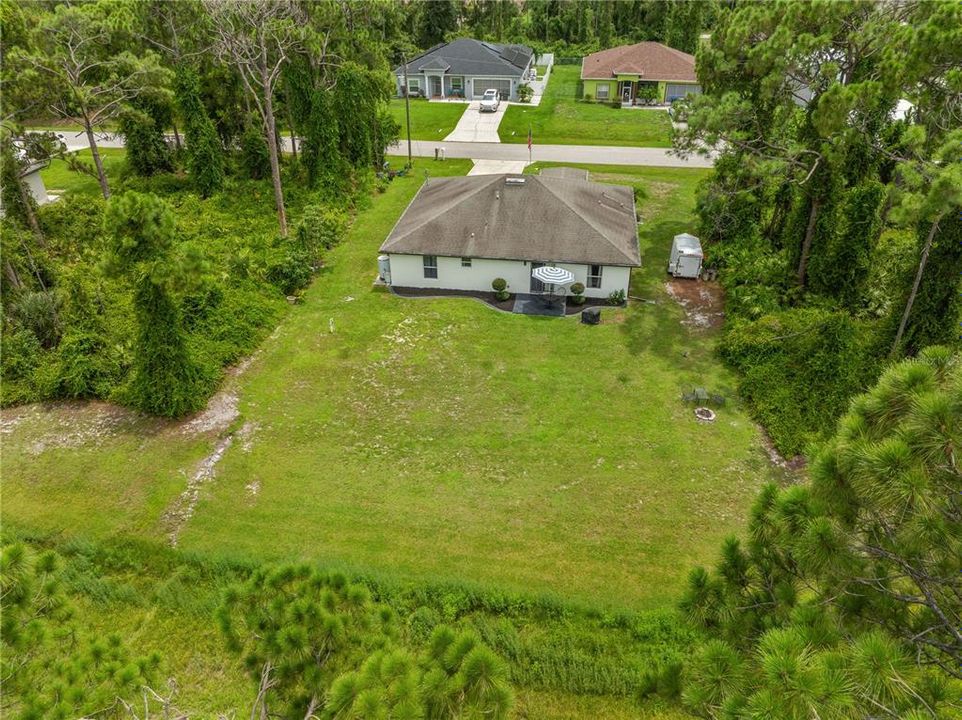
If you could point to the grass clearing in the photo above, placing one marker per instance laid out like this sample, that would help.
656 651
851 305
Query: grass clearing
561 120
59 178
429 120
440 440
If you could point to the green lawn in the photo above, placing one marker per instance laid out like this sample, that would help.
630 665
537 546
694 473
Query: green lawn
58 178
429 120
436 439
561 120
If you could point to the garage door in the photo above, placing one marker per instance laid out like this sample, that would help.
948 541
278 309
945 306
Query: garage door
674 92
502 86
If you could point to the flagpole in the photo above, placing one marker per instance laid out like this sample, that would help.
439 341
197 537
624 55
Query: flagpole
529 143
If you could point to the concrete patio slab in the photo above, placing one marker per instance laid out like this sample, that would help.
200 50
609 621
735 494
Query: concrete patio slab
476 126
525 304
497 167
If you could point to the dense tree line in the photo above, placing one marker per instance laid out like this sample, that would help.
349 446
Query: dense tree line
820 173
202 92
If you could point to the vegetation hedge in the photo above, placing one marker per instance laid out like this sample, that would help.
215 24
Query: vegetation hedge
799 369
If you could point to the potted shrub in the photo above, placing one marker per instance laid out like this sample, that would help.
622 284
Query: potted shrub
577 294
500 286
525 93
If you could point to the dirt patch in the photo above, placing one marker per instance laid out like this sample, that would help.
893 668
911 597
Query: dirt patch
702 301
222 409
793 465
75 424
176 517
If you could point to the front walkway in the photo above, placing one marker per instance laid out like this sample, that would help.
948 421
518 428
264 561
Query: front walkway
476 126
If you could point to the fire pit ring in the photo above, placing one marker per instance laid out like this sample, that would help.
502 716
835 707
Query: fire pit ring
705 414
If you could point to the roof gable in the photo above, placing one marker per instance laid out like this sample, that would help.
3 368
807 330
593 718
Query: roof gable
544 219
649 60
466 56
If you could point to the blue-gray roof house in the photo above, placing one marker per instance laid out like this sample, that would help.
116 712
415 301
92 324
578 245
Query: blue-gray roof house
466 68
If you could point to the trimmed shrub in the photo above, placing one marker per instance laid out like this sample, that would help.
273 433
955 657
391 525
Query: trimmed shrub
499 284
577 294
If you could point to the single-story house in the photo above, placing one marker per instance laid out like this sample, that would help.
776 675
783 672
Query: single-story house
643 73
466 68
461 233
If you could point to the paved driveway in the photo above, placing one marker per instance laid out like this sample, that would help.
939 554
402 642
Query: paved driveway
476 126
497 167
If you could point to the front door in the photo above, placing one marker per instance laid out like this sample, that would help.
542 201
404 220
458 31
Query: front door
435 86
536 285
626 93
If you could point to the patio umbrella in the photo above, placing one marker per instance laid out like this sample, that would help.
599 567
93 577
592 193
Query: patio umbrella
552 275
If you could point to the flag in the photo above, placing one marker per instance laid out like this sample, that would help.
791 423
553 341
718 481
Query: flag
529 138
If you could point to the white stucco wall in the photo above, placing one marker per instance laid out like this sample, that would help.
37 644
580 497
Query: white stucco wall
408 271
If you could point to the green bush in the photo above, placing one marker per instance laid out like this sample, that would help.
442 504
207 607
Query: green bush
499 284
799 369
86 366
616 297
255 159
20 354
525 93
38 312
320 228
291 272
577 294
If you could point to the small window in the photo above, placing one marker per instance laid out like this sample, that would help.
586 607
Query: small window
601 92
465 262
457 83
594 276
414 83
431 266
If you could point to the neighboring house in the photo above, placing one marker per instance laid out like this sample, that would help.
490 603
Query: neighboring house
461 233
643 73
466 68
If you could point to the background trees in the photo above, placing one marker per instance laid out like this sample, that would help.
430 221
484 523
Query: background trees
819 172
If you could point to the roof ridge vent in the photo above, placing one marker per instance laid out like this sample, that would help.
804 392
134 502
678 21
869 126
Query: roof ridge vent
514 181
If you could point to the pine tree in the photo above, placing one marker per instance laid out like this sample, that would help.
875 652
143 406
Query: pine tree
205 156
166 381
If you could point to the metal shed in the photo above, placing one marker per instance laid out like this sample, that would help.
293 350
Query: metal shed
686 256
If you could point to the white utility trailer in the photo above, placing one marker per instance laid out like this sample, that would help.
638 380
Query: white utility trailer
686 256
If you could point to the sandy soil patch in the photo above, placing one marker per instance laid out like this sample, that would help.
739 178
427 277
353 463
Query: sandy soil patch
702 301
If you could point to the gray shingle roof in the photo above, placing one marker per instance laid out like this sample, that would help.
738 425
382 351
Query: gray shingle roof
465 56
545 219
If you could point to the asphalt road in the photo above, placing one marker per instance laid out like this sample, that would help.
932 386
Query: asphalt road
598 154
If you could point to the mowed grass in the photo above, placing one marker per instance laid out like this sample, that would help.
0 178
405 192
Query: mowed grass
429 120
438 439
58 178
561 120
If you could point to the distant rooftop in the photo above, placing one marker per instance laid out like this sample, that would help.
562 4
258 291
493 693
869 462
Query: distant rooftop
466 56
649 60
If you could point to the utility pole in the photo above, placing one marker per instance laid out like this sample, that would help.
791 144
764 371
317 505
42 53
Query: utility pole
407 106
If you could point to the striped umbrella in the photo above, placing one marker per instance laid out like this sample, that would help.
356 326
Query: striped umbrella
552 275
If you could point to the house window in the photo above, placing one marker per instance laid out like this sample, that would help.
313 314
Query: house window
457 86
601 91
465 262
431 266
414 86
594 276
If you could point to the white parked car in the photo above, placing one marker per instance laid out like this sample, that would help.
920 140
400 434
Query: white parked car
490 101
